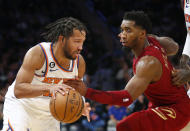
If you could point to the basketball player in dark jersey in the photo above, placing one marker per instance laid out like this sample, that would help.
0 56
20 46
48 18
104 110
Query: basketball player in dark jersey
170 110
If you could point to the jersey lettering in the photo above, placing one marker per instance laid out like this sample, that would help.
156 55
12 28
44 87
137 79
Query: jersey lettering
54 80
165 112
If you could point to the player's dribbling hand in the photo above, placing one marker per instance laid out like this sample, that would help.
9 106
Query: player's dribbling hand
63 89
78 85
86 111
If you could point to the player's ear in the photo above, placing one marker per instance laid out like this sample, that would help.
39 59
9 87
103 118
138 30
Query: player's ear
61 39
142 34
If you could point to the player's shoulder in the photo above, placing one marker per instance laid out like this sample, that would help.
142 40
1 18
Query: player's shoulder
81 59
149 66
149 62
80 56
81 66
149 59
35 56
36 51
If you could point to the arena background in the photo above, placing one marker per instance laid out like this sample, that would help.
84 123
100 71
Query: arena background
108 66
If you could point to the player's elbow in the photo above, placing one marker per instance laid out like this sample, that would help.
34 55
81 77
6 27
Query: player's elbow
17 92
174 49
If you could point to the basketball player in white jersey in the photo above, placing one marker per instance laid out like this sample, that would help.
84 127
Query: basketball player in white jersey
45 68
186 50
182 76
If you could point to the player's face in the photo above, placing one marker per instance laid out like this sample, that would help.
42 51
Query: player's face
74 44
129 33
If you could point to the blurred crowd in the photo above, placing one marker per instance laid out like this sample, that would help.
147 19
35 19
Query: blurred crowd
109 66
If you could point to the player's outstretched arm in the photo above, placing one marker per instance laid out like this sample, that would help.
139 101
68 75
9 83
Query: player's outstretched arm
171 47
34 60
148 69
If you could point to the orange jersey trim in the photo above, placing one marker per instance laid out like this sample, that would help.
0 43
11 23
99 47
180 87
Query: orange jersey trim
9 127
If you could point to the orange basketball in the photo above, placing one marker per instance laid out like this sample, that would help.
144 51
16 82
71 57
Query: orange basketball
67 108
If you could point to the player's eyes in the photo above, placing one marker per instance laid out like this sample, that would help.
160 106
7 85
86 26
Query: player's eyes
125 30
128 30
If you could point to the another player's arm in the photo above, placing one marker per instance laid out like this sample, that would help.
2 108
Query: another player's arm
148 70
171 47
186 50
186 53
182 76
34 60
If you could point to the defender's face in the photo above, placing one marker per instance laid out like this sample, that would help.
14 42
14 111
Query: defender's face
129 33
74 44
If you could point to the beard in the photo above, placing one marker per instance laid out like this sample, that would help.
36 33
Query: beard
67 52
128 49
68 55
132 44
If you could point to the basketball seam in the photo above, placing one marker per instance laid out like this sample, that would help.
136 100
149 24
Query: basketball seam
55 109
66 105
76 110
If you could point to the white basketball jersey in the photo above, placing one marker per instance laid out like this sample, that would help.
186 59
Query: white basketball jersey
187 13
186 49
50 73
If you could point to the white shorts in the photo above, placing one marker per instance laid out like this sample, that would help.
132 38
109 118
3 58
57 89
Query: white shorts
19 118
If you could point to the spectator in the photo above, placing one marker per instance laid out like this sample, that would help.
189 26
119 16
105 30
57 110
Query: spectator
97 122
116 113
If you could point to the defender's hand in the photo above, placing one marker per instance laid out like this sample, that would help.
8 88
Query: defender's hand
78 85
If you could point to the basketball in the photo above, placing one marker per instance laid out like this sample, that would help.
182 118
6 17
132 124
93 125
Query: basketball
67 108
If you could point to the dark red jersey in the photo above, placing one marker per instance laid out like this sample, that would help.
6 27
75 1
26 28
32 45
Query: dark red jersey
162 92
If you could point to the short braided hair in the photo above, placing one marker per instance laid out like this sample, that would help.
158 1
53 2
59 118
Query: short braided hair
64 27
